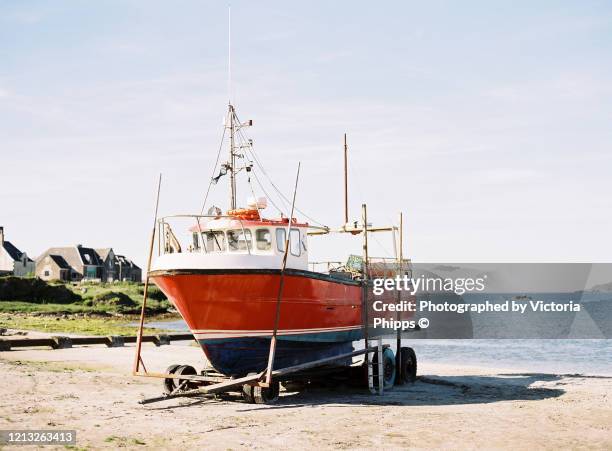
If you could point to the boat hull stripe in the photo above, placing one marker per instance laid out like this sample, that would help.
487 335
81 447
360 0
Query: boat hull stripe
206 334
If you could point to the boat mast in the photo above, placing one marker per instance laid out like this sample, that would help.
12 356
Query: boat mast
232 157
231 163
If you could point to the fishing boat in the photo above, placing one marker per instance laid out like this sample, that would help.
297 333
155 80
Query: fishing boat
225 282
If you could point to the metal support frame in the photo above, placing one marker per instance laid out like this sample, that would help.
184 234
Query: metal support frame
379 349
231 384
400 261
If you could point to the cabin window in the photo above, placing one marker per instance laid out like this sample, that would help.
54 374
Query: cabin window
215 241
264 239
280 239
295 243
239 240
46 273
196 241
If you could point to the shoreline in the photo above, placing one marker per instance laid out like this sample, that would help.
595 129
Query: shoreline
90 389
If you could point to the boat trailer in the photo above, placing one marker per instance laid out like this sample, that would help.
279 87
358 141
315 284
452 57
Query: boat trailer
180 381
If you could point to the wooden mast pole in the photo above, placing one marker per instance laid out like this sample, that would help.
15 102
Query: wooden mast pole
137 358
346 216
232 159
272 353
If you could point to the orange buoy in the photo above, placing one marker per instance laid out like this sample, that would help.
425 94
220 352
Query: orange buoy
244 213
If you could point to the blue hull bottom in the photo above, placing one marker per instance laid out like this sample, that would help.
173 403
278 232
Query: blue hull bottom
244 355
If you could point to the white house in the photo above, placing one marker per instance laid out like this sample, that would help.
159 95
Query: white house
12 260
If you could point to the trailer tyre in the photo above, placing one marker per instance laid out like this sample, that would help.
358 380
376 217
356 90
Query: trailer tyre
408 370
389 370
169 384
247 394
186 370
266 395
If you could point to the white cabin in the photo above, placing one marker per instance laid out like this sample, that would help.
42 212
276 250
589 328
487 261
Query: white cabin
232 243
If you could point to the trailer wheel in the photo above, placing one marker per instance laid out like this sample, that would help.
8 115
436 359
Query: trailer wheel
408 370
266 395
247 394
389 370
186 370
169 384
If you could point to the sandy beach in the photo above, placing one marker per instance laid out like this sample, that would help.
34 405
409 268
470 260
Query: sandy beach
90 389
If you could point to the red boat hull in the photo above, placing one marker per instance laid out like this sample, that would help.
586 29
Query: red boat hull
241 303
232 312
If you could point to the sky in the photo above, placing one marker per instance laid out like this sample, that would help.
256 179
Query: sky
488 124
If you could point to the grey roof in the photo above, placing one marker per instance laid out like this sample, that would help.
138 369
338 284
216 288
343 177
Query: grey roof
60 261
72 257
89 256
69 254
103 252
13 252
126 261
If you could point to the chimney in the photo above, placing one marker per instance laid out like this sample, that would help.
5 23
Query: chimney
1 236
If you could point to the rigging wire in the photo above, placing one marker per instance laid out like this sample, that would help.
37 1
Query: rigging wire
245 138
254 198
266 194
283 199
280 193
210 183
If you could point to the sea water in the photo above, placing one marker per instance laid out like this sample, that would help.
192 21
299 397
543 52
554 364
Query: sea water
559 356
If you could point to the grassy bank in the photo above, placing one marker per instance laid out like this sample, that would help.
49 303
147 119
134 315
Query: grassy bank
86 308
22 295
74 324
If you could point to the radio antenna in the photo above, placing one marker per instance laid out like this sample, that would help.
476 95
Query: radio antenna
229 54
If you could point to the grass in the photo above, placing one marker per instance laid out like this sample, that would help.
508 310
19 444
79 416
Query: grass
74 325
28 307
36 296
123 441
132 289
84 309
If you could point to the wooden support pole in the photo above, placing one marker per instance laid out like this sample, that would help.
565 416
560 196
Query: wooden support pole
272 353
398 345
365 297
137 358
366 274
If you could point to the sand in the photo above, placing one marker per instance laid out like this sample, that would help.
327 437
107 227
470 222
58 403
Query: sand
90 389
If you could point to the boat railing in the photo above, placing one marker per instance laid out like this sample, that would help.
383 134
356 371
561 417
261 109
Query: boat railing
389 266
324 266
169 243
